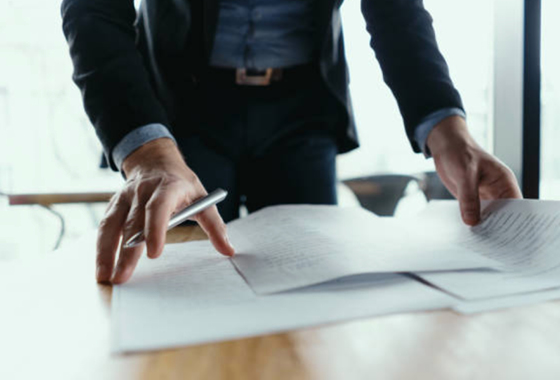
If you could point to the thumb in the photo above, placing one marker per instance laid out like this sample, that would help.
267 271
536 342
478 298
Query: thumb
469 200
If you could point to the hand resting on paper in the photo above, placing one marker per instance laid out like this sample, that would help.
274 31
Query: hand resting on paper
159 184
469 172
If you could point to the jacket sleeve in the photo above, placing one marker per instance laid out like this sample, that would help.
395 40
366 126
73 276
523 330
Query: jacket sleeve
404 42
109 70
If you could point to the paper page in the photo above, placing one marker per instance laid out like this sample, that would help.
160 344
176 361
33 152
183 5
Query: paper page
523 235
520 234
191 295
286 247
471 307
481 284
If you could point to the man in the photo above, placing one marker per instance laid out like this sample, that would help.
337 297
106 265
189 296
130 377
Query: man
252 96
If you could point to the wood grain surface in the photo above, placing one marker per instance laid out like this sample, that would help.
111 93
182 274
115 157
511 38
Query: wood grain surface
55 324
57 198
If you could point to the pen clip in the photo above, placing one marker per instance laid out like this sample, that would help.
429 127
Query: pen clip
135 240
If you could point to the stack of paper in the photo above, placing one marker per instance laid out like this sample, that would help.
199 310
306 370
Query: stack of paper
299 266
191 295
522 235
295 266
286 247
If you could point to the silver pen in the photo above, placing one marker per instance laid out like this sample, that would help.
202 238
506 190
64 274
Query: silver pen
200 205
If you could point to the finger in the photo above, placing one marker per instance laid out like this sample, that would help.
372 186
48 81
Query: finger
128 257
515 191
498 182
158 212
469 200
108 236
212 223
506 188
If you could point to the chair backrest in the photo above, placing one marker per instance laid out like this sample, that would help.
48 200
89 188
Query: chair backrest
433 188
380 193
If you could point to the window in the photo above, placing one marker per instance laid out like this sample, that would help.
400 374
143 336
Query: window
46 141
550 101
465 35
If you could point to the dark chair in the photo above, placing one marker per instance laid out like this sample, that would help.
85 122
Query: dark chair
382 193
433 188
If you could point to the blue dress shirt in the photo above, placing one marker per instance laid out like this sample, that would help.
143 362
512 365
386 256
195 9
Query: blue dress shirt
259 34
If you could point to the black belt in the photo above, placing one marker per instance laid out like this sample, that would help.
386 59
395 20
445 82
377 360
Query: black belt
266 77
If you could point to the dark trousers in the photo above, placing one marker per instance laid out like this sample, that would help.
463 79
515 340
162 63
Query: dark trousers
264 145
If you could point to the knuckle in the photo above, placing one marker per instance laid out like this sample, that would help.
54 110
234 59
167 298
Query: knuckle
158 200
130 225
470 164
105 222
468 155
113 200
127 191
109 219
192 177
122 198
187 199
194 183
145 188
154 204
172 179
135 211
468 158
120 203
140 187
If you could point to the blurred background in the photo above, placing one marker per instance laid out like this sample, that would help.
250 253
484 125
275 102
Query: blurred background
48 145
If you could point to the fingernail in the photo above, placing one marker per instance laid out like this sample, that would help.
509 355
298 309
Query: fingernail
102 273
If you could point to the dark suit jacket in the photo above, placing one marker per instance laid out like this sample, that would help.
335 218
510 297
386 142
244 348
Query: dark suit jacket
133 70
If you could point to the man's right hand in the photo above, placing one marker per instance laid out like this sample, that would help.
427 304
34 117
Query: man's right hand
159 184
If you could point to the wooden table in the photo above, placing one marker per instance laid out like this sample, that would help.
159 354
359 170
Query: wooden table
49 199
54 324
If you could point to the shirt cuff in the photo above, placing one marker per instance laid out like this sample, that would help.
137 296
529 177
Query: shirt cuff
135 139
429 122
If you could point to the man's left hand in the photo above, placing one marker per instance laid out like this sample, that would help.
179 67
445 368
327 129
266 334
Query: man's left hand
469 172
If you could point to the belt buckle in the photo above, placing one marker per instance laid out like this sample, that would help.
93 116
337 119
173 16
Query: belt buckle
242 78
